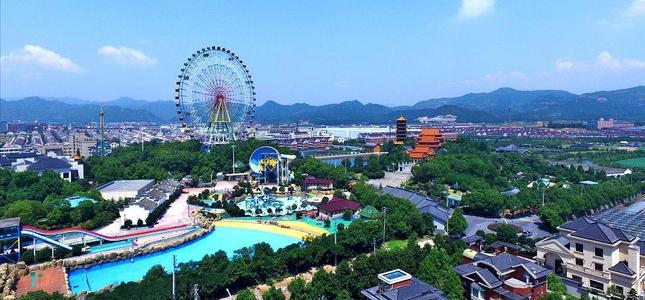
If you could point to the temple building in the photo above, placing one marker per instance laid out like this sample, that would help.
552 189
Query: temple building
401 131
429 140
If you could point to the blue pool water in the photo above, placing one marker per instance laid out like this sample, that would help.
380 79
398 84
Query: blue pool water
226 239
75 200
111 246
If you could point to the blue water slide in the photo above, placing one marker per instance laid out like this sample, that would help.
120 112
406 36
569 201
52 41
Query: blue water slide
45 239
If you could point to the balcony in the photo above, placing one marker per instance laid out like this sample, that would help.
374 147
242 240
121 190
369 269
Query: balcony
591 271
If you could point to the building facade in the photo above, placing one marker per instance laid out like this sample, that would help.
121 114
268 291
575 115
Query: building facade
596 255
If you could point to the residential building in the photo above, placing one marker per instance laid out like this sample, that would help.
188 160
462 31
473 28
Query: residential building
512 149
504 276
596 255
399 285
67 168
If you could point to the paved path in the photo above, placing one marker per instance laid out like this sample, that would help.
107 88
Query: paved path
391 178
531 223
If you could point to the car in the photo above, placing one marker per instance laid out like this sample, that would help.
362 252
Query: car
527 233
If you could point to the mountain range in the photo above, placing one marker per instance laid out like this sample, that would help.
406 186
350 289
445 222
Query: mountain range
627 104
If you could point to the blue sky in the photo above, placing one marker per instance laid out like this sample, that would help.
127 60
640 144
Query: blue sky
323 51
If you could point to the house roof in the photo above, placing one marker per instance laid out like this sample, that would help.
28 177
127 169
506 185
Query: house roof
503 263
500 244
423 203
602 233
338 204
417 290
577 224
472 239
49 163
623 268
313 180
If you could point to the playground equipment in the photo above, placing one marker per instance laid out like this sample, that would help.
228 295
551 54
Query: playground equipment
269 165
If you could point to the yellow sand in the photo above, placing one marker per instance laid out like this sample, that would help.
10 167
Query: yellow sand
299 233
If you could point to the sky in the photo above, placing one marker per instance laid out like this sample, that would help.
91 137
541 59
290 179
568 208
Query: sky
321 52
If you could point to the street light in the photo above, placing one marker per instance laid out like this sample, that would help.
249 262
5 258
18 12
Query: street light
384 210
233 146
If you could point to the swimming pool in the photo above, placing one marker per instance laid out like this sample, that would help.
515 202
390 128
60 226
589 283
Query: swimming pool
224 238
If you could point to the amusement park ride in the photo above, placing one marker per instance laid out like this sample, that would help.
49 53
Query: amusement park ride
215 97
268 165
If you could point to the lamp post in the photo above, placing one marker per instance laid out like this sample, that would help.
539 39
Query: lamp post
384 210
233 146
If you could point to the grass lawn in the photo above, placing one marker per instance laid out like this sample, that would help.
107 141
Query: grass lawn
633 162
396 244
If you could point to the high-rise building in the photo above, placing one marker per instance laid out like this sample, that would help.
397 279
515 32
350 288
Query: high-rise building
401 130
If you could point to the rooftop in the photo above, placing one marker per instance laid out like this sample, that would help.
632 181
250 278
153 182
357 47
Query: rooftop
598 231
125 185
48 163
11 222
338 204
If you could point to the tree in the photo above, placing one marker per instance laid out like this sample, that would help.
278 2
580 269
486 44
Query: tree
347 215
245 294
507 233
324 199
127 223
555 285
299 289
273 294
632 295
457 223
139 222
436 270
157 271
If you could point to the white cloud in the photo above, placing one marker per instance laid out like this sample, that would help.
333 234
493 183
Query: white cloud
39 56
637 8
475 8
606 60
563 64
127 55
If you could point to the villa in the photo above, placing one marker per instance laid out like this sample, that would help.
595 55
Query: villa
504 276
399 285
596 255
322 184
425 204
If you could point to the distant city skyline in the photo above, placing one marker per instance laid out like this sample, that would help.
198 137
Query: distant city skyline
323 52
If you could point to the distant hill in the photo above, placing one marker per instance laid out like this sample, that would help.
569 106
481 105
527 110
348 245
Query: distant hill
39 109
627 104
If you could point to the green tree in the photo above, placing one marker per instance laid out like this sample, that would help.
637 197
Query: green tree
273 294
157 271
245 294
299 289
507 233
555 285
436 269
457 223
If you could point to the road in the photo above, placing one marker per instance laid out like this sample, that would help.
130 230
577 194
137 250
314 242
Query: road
531 223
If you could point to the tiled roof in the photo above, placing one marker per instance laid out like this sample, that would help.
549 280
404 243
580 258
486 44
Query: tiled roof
503 262
338 204
49 163
423 203
577 224
417 290
602 233
312 180
623 268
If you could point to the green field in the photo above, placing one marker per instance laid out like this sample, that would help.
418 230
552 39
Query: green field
633 162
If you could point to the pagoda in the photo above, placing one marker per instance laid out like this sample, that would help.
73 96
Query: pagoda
429 140
401 131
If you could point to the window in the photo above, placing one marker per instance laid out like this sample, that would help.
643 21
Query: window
579 247
527 277
477 292
598 267
579 261
598 252
576 278
597 285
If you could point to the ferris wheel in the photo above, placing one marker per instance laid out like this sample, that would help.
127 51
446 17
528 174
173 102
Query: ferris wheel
215 97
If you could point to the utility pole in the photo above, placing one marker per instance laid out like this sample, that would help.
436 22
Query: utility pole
374 245
335 250
174 266
384 210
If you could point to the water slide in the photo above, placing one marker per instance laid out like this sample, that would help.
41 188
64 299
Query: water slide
38 233
45 239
